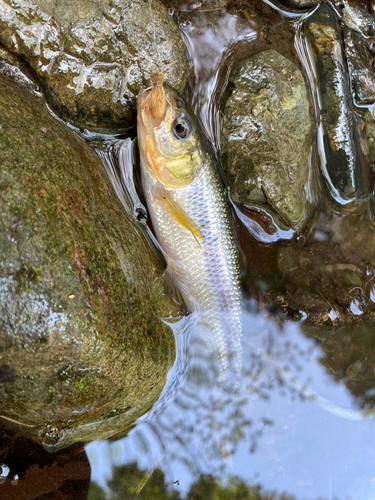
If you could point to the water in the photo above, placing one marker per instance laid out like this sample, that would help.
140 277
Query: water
302 421
283 441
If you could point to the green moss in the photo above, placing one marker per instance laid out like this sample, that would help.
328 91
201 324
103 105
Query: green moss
83 337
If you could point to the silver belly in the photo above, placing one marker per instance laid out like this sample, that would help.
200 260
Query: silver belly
207 275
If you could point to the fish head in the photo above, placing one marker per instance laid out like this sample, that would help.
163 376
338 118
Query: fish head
168 136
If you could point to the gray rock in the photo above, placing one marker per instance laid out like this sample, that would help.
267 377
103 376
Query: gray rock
92 57
82 349
267 131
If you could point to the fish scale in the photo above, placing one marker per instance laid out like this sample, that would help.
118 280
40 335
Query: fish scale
207 275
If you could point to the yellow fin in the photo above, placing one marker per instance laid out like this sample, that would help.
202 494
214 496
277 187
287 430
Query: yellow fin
165 199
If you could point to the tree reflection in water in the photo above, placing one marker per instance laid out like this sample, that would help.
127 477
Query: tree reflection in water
126 481
276 435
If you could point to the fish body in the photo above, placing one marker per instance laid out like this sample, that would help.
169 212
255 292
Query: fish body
190 216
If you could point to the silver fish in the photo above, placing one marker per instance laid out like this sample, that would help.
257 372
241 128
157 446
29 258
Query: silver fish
190 216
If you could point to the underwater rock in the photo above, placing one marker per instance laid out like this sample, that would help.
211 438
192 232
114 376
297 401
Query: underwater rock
82 350
327 280
349 356
337 135
93 57
267 130
35 473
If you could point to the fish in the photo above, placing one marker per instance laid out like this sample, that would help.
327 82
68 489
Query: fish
190 216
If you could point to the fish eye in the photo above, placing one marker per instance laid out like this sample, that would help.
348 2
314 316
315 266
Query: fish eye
182 128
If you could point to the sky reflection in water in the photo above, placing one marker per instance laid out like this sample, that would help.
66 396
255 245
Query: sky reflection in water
286 442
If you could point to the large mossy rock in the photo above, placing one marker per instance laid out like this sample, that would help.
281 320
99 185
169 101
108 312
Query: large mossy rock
82 351
267 129
92 57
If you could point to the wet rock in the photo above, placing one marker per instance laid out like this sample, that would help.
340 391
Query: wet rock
367 142
267 131
82 351
195 5
339 158
358 19
300 4
361 69
11 66
92 57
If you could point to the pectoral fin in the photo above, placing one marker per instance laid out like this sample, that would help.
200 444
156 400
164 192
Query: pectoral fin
166 201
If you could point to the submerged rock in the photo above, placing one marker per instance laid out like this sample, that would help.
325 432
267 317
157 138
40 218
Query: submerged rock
267 131
337 133
92 57
82 350
327 280
349 356
33 472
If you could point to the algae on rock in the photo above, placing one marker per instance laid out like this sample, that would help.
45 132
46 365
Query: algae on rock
82 349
